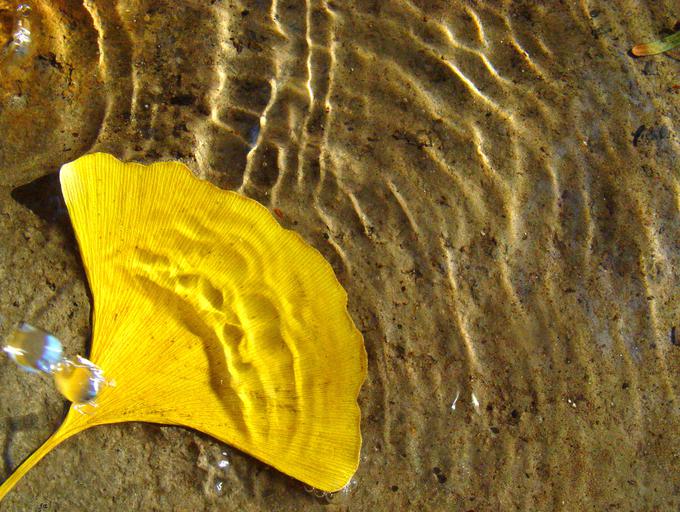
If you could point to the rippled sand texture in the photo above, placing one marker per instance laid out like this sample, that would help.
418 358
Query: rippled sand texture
470 169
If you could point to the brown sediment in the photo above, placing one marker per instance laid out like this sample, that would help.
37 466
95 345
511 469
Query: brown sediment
74 423
7 21
475 173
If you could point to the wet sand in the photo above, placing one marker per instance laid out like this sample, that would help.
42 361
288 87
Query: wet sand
495 184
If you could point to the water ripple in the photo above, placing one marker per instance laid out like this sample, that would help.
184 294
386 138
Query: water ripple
469 171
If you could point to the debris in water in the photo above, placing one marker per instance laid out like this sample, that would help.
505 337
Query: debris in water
637 134
663 45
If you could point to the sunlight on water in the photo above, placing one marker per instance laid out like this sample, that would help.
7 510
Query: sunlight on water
20 40
494 183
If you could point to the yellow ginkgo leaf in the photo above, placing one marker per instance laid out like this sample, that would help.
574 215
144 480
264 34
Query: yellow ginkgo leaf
210 315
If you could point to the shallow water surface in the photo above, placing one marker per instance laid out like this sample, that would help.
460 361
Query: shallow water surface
495 184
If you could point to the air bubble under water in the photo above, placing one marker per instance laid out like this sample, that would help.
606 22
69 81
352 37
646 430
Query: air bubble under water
33 350
219 487
333 496
21 35
37 351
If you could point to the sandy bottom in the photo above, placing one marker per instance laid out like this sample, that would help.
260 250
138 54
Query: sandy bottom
495 183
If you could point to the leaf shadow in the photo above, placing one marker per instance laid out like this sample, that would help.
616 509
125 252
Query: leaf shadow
44 198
